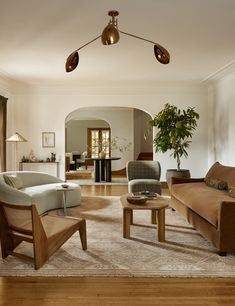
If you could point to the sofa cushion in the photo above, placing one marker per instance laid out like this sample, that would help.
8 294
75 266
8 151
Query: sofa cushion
13 181
222 173
46 197
203 200
217 184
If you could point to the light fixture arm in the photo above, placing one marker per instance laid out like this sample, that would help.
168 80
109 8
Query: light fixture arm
87 43
135 36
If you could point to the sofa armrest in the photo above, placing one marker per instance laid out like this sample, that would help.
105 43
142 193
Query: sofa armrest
14 196
227 216
226 224
183 180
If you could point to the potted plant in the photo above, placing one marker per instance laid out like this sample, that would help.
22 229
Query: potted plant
175 130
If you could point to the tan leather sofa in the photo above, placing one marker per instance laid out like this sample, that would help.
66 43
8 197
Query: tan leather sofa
209 210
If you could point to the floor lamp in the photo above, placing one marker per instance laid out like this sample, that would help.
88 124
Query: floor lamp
15 139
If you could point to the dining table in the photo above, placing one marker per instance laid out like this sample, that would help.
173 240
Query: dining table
103 168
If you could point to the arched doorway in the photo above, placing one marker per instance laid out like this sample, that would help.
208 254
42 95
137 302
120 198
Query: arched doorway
127 126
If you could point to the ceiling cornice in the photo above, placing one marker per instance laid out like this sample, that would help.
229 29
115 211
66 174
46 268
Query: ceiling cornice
224 71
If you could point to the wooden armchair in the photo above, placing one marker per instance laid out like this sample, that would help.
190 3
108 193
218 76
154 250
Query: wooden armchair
47 233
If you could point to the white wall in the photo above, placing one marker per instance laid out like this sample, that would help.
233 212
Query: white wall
6 90
44 109
77 133
222 124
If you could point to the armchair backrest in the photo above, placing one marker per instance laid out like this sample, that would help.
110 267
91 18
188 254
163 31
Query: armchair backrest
143 170
20 223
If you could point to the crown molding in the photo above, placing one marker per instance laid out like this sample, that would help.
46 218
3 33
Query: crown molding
224 71
9 84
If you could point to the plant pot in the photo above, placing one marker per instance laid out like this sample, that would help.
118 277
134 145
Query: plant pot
102 155
176 173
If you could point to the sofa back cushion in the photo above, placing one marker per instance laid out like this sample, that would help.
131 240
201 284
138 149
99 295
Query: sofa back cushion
222 173
30 178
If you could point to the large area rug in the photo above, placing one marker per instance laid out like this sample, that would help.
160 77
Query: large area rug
185 252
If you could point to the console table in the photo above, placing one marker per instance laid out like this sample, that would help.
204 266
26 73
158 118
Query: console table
102 168
51 168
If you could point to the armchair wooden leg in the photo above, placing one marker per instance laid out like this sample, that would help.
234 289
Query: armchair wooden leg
83 236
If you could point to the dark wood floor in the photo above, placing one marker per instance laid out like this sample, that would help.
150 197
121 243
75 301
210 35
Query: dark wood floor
119 291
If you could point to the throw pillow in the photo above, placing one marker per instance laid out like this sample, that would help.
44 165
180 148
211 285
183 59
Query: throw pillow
231 191
217 184
13 181
222 173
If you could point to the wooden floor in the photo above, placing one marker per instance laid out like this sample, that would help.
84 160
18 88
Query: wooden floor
115 291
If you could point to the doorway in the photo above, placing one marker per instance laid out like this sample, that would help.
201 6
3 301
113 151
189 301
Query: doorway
126 125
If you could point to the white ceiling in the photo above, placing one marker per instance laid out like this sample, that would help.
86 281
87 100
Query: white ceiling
37 36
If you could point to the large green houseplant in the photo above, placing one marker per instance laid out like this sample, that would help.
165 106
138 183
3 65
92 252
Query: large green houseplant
175 130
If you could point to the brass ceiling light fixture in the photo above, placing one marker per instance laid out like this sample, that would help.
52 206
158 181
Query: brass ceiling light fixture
110 36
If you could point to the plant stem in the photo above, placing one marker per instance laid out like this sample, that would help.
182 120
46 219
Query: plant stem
178 162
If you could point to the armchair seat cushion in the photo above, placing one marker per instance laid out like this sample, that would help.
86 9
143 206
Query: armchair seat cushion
144 185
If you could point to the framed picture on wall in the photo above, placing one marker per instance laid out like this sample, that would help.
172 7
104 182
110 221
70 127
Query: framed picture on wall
48 139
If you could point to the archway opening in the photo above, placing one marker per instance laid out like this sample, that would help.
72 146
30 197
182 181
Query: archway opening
126 128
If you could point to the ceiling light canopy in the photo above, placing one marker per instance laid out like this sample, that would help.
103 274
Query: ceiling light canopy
110 36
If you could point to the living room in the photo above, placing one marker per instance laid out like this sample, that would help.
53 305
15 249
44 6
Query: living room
41 95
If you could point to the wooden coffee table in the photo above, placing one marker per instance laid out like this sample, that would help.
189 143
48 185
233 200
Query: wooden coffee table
157 207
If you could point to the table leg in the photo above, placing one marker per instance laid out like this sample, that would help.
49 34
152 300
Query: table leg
64 193
131 217
161 225
97 170
126 222
153 216
108 170
102 169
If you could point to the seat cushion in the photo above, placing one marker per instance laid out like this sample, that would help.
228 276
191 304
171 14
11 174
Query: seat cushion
200 198
54 224
144 185
46 197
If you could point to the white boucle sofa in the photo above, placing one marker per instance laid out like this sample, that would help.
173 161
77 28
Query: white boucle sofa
38 188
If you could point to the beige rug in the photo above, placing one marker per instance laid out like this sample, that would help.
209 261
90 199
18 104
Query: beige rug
185 252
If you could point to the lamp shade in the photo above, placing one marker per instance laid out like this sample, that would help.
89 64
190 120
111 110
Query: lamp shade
110 35
161 54
72 62
16 138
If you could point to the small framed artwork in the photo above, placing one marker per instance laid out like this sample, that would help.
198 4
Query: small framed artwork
48 139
